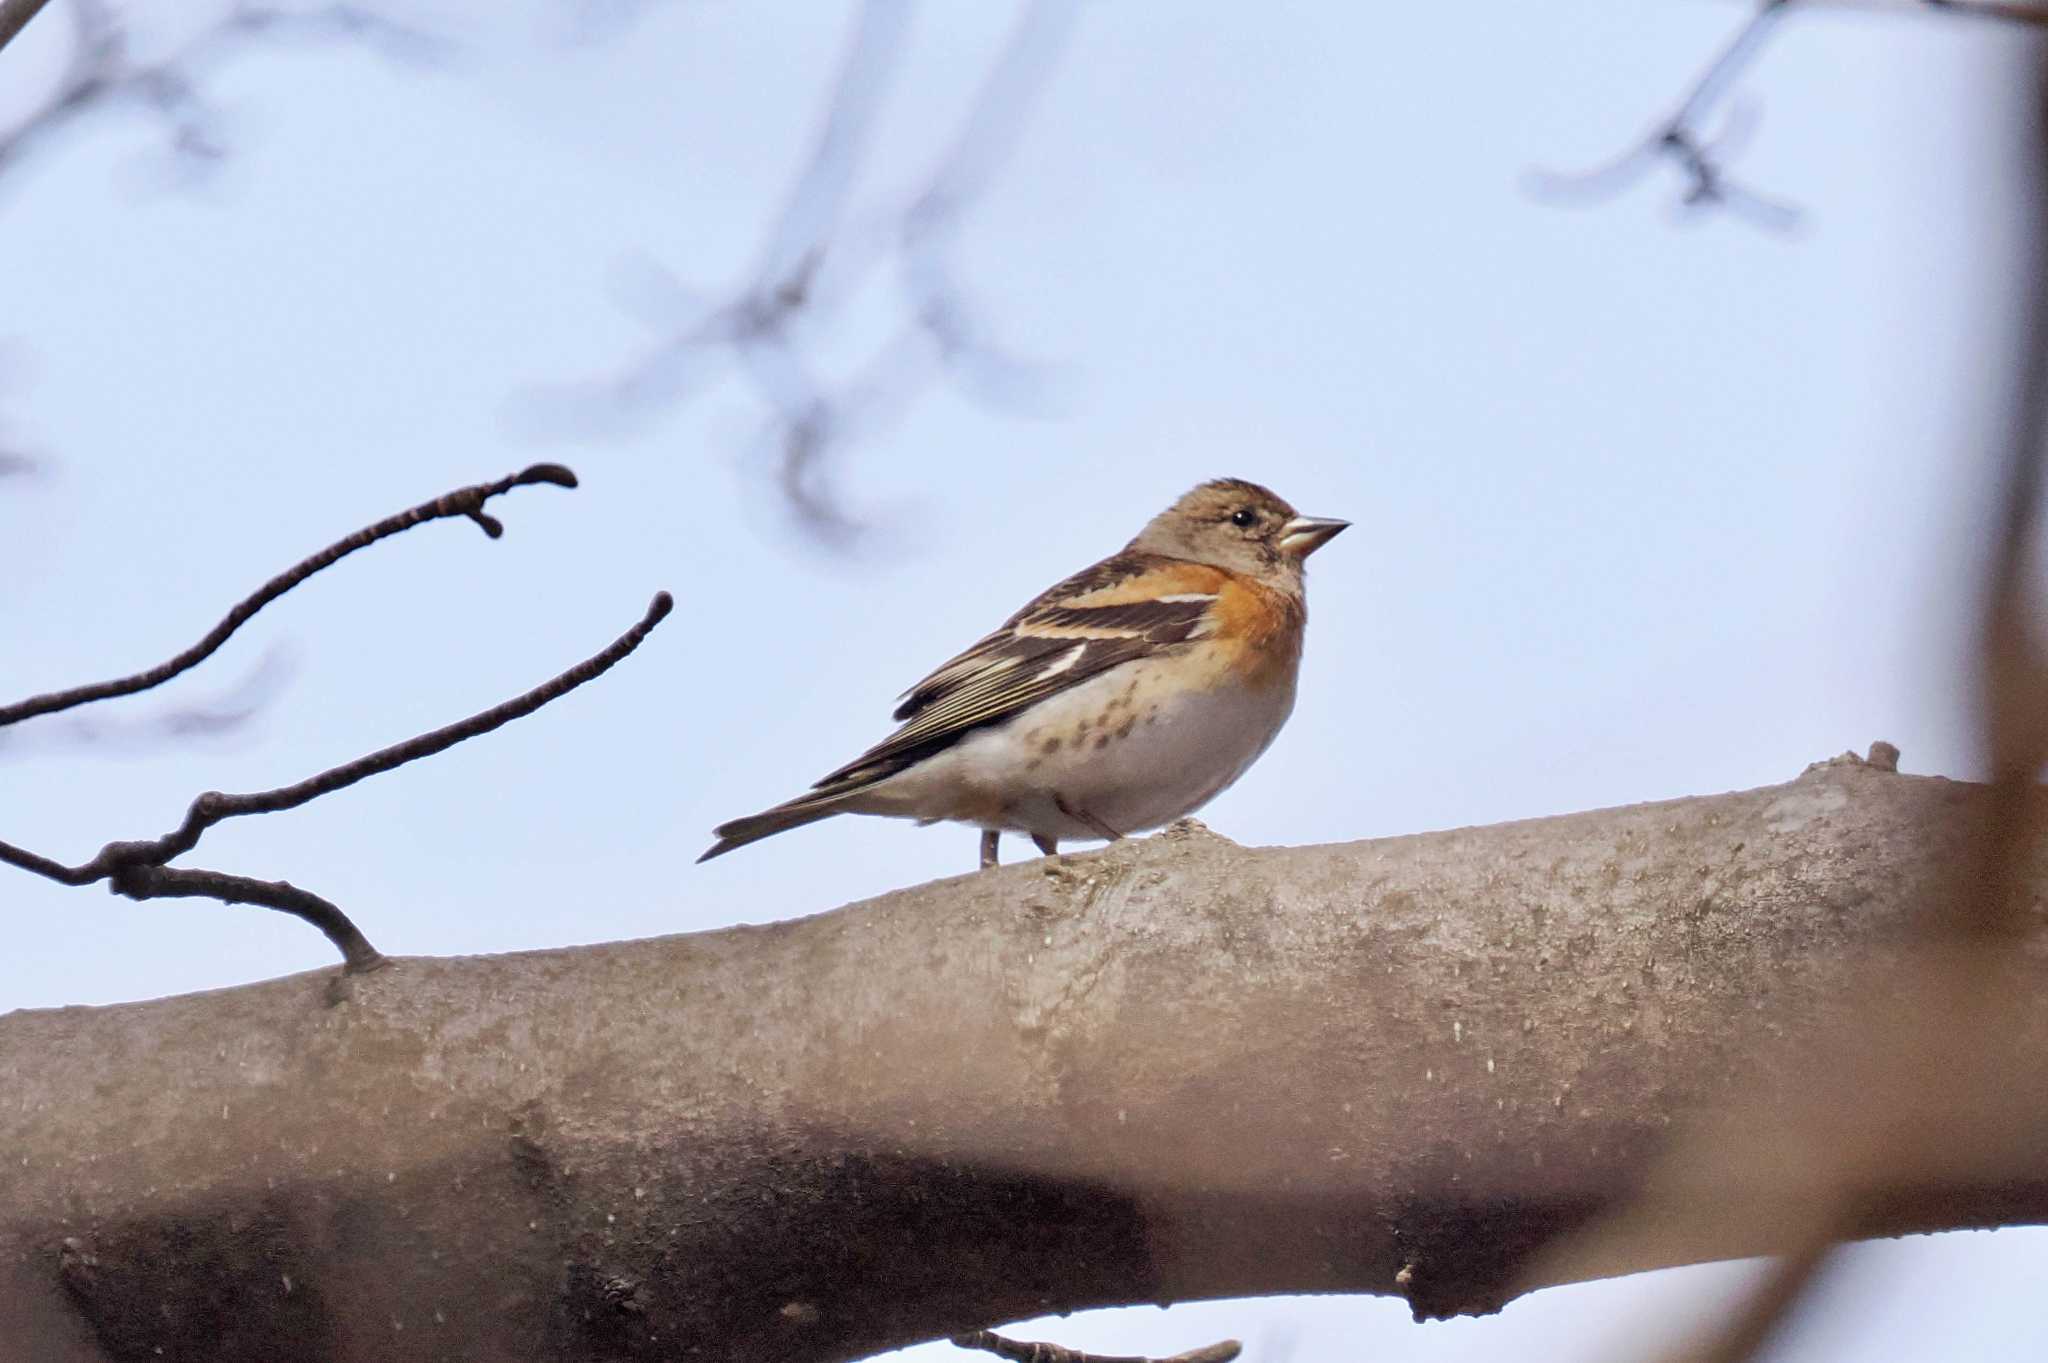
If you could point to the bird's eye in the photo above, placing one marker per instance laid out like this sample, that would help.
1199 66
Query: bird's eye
1244 518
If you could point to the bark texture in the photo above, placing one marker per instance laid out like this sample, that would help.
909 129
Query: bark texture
1174 1068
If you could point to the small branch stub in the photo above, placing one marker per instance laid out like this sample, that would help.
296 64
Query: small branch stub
1031 1351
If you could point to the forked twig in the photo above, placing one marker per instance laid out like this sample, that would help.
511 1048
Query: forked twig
140 870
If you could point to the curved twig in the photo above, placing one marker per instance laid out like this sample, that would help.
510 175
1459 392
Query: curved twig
171 882
468 501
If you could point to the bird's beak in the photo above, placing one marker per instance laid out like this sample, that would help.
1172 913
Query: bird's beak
1304 535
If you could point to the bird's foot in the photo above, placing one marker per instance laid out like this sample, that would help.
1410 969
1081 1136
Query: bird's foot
990 837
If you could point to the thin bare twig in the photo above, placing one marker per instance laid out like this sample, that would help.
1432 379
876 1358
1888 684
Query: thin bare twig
468 501
1028 1351
140 870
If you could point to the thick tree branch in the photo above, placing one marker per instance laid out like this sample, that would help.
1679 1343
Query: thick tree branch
1175 1068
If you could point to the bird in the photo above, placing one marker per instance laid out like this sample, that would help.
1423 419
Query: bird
1118 700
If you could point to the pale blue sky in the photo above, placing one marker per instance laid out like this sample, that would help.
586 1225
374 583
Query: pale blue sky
1644 507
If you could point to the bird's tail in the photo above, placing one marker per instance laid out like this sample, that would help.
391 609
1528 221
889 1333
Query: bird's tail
790 814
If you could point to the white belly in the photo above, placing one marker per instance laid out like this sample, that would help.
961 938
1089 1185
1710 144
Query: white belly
1121 752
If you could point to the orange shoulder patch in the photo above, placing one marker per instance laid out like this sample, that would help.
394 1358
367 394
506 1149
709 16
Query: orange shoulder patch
1262 630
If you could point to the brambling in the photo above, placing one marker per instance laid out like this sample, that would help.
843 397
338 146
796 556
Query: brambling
1123 698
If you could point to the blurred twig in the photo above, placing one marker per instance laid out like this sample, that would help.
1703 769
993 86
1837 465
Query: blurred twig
811 263
100 71
1681 140
221 714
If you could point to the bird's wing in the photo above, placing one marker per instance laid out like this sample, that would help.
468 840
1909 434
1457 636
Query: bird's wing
1126 607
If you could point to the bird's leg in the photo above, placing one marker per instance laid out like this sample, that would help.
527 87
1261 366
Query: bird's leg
989 838
1101 829
1049 846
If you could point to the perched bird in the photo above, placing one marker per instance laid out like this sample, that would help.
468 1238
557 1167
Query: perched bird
1119 700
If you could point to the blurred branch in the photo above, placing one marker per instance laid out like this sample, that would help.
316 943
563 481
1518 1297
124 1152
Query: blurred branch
1758 1319
210 718
1026 1351
101 73
811 263
1913 1086
1681 138
468 501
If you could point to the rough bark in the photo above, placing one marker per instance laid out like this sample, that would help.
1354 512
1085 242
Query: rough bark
1174 1068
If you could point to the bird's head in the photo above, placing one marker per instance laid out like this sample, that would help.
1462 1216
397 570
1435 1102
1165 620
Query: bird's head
1230 523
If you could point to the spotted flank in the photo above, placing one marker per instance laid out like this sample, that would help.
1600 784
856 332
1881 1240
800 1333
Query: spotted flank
1079 629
